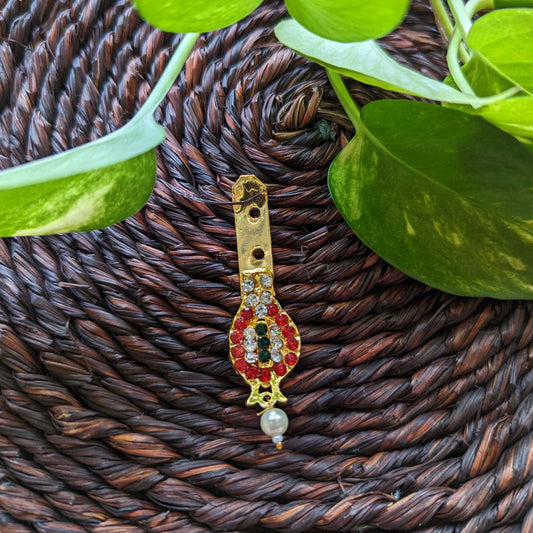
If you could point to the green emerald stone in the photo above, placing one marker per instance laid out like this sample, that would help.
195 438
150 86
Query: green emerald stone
263 342
261 328
264 356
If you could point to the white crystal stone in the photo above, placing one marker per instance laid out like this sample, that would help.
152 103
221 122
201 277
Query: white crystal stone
274 422
266 281
276 343
248 285
251 357
249 333
266 297
252 299
275 355
250 346
261 311
275 330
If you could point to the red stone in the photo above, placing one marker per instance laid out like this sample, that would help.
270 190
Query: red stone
282 320
291 359
247 313
241 323
280 369
264 375
291 343
252 372
236 336
237 351
272 310
241 365
288 331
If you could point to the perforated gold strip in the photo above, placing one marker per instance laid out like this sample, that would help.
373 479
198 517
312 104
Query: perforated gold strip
252 224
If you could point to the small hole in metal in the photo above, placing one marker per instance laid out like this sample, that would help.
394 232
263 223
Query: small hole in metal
258 253
254 212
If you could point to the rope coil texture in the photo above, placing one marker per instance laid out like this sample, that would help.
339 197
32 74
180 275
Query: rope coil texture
411 409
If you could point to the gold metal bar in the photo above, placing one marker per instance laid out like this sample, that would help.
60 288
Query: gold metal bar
252 224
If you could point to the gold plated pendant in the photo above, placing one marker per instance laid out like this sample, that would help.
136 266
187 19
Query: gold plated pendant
264 341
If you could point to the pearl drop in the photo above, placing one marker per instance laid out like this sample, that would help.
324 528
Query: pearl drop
274 423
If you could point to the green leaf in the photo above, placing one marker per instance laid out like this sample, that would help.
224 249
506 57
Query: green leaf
498 4
182 16
482 78
82 202
80 189
515 115
502 41
348 20
502 59
369 63
444 196
93 185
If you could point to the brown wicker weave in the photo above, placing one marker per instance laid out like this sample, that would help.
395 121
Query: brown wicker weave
411 410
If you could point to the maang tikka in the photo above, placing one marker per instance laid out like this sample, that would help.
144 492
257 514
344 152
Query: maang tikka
264 342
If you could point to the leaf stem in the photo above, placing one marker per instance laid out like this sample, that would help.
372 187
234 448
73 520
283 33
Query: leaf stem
445 26
345 98
462 82
454 66
168 77
462 20
443 20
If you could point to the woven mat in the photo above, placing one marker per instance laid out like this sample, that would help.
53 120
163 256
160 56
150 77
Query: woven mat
411 409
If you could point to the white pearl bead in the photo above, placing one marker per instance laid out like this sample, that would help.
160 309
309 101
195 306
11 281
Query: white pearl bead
274 422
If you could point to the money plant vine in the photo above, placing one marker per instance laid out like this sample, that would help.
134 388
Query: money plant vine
443 190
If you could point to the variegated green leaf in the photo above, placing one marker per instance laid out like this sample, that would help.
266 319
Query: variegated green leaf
93 185
502 46
181 16
348 20
444 196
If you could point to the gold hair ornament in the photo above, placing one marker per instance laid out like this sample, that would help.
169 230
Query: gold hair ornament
264 341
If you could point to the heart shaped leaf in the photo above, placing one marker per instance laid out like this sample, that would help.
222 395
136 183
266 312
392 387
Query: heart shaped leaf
502 40
348 20
182 16
93 185
85 188
444 196
515 116
502 44
369 63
